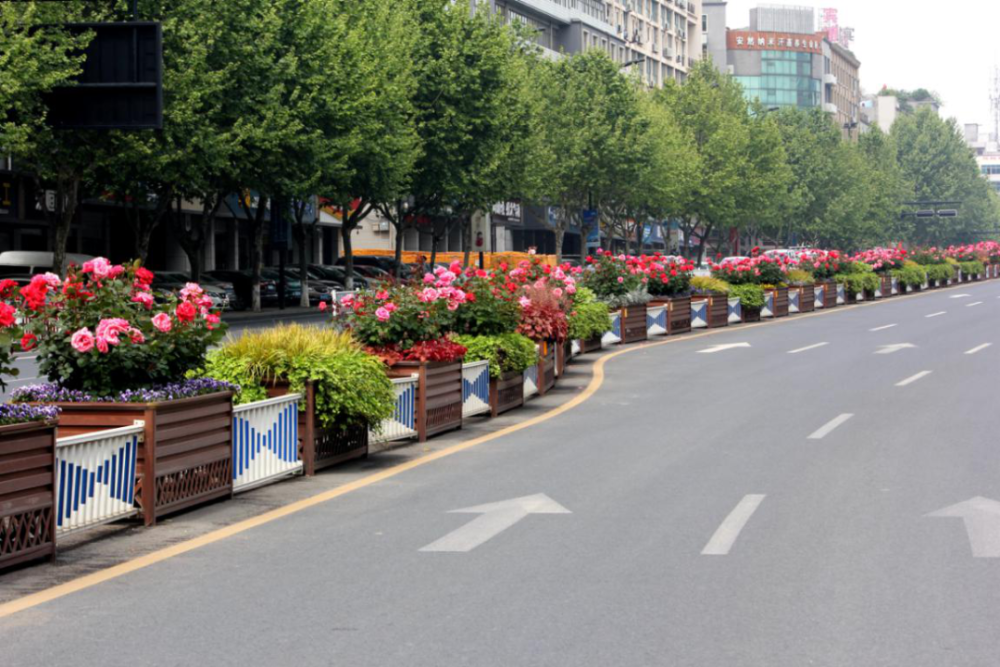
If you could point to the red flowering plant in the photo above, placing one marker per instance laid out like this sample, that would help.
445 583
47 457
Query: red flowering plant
882 260
407 322
100 330
756 270
10 331
669 276
543 312
490 309
823 264
618 280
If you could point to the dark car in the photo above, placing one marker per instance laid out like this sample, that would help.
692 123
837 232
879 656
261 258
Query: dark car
338 275
387 264
242 283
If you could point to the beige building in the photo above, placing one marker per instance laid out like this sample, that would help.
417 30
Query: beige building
660 39
843 89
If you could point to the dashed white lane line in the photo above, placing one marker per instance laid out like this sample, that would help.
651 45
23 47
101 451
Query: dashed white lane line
943 312
888 326
830 426
914 378
979 348
974 303
806 349
725 536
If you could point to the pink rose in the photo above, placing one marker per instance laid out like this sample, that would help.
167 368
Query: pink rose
620 279
557 292
162 322
429 294
322 306
102 345
110 329
524 301
99 267
391 307
145 298
136 336
82 340
382 314
51 279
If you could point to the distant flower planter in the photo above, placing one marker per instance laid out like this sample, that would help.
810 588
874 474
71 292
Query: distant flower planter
886 286
749 314
439 394
717 312
678 313
807 298
27 498
187 456
320 447
656 320
780 307
546 366
591 345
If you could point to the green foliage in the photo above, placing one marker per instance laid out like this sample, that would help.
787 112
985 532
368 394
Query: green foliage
971 268
750 296
589 317
351 386
705 285
507 353
940 272
911 274
855 283
487 311
799 277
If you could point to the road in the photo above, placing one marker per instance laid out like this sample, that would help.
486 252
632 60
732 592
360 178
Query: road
763 505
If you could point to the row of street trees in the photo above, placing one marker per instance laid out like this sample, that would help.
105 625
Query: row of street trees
424 110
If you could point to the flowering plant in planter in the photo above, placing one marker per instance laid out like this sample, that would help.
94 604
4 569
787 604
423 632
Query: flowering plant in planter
756 270
669 276
393 320
10 331
824 264
490 309
15 413
618 280
882 260
101 331
54 393
543 312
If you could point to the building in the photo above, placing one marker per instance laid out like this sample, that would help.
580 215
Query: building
783 61
880 111
986 146
662 38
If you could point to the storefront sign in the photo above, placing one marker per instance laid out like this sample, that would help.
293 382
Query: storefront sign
746 40
506 213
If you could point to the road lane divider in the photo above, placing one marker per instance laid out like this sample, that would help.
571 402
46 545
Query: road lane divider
810 347
979 348
913 378
887 326
726 534
974 303
943 312
830 426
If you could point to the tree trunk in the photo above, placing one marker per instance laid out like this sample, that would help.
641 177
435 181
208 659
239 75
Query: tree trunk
67 192
145 222
256 220
560 232
345 236
301 232
434 250
466 241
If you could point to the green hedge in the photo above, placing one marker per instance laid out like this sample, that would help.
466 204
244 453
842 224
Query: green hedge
750 296
510 352
910 275
589 318
972 268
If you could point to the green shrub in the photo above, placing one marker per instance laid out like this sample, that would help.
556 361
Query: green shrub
940 272
972 267
798 277
705 284
589 317
913 276
351 386
509 352
750 296
855 283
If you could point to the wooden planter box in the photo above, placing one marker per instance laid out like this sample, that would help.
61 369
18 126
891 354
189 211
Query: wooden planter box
886 285
506 393
320 447
187 457
591 345
563 353
27 493
634 328
750 315
829 294
678 313
780 301
869 295
807 298
718 310
439 394
547 366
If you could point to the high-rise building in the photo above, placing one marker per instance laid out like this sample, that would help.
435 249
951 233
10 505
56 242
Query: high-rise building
783 61
660 38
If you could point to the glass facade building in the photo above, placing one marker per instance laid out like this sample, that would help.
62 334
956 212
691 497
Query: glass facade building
786 81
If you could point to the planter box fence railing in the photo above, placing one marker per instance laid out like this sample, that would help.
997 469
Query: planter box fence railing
403 423
266 441
96 477
475 388
656 321
27 502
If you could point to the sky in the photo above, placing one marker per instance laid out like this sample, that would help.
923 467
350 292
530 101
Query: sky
948 47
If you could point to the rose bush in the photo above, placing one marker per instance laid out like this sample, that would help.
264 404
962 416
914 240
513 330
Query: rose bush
100 331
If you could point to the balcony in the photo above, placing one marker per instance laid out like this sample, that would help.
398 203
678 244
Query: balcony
830 107
830 79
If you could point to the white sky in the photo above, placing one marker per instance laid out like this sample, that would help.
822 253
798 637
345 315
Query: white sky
949 47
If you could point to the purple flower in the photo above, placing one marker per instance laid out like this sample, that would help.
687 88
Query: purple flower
12 413
53 393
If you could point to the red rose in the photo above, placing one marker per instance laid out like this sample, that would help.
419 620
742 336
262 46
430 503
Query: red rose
7 288
8 315
144 275
28 341
186 311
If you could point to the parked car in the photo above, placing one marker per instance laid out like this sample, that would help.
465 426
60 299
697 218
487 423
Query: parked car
30 262
338 275
317 290
242 283
387 264
172 282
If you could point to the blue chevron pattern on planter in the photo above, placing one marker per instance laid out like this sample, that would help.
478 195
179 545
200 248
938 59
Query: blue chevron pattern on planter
820 296
403 423
656 321
794 299
531 381
265 440
614 336
475 388
735 311
699 314
95 479
768 309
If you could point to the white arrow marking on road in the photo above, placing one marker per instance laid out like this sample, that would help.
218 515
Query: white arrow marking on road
889 349
723 348
495 518
828 428
974 303
943 312
725 536
979 348
911 380
982 523
960 296
806 349
888 326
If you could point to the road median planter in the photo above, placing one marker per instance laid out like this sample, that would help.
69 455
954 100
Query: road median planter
591 345
186 457
547 366
634 324
27 493
780 296
678 313
439 394
321 447
807 298
886 285
506 392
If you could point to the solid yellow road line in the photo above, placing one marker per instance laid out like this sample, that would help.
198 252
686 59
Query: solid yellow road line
95 578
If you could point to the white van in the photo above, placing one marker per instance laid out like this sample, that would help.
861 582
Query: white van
19 263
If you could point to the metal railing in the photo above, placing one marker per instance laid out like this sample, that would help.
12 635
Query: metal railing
95 477
475 388
403 423
266 441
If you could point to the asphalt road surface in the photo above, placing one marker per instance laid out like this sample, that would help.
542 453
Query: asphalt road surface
823 495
